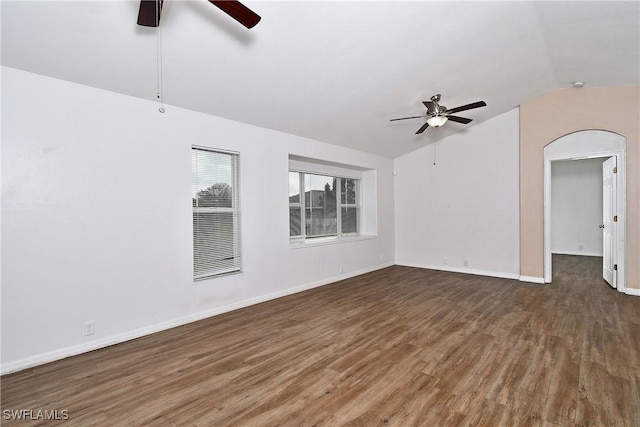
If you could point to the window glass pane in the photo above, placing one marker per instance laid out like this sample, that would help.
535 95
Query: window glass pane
211 179
349 220
320 223
294 222
319 183
294 187
349 191
217 195
320 205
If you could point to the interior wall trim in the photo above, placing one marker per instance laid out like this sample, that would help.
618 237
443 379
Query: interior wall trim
531 279
633 292
576 253
464 270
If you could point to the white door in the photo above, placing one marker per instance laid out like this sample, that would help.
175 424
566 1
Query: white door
609 220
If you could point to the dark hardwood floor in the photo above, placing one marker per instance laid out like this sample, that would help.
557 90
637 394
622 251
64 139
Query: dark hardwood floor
401 346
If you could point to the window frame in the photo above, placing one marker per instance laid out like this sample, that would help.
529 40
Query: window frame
234 210
301 205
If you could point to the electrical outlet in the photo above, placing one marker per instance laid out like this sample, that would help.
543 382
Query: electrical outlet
580 247
466 263
444 261
341 269
89 327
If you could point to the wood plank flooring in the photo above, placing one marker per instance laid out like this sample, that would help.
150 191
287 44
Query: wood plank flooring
398 347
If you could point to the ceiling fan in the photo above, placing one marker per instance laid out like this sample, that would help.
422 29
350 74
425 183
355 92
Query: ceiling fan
437 114
149 13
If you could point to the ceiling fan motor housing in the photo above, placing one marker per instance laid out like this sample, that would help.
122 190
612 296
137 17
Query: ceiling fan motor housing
441 109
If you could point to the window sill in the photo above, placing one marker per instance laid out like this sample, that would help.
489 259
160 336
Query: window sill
321 241
219 274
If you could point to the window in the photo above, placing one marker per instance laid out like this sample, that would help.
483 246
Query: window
216 216
322 206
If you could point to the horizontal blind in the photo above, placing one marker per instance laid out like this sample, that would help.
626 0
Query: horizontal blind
216 215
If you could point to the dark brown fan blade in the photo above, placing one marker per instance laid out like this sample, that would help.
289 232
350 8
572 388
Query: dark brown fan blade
423 128
467 107
459 119
405 118
430 105
238 11
149 14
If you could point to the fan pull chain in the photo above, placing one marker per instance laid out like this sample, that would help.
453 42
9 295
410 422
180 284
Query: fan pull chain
435 143
159 58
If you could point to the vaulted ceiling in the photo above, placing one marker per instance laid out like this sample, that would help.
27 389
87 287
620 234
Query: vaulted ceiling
331 70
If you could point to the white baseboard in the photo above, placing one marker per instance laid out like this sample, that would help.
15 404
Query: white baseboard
532 279
464 270
631 291
577 253
62 353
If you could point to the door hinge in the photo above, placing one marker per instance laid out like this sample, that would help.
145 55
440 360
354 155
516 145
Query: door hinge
615 267
615 169
615 218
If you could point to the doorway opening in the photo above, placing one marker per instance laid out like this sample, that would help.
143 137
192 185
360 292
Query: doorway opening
605 148
578 211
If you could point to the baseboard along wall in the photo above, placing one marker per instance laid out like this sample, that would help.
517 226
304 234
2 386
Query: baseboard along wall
63 353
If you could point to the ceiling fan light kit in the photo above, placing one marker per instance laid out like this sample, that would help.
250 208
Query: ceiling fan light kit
437 115
437 121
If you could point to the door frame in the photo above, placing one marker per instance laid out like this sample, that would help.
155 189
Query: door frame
589 144
609 226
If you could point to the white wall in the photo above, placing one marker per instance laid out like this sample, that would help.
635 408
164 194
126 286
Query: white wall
576 207
466 207
96 218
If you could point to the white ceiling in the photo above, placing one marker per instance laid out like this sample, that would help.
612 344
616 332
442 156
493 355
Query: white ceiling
330 70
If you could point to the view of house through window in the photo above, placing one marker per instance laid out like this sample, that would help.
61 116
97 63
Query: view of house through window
216 236
322 205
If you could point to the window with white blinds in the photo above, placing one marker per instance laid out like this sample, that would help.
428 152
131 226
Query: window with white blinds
216 214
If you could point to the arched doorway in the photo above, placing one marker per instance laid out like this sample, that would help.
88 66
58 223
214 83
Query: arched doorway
589 144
